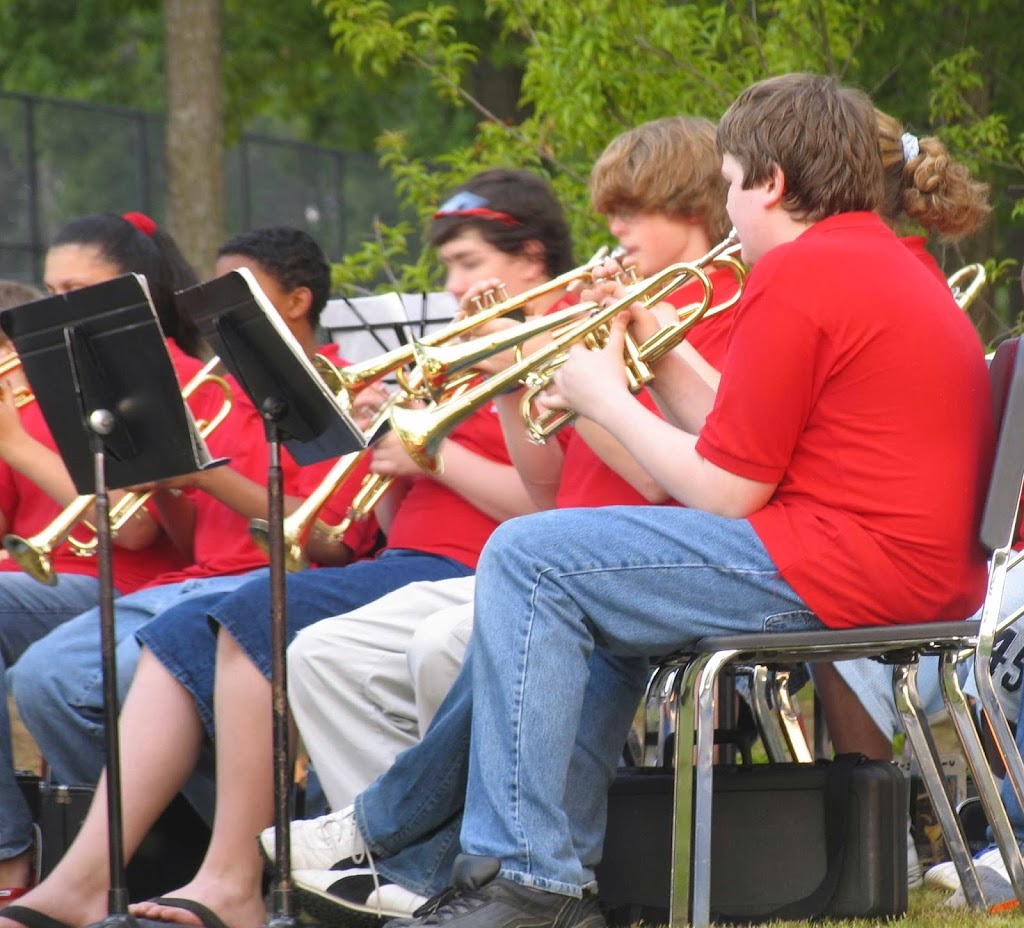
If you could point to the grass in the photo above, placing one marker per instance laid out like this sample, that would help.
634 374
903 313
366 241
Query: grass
926 906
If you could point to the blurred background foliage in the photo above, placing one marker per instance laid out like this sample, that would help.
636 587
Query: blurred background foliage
439 90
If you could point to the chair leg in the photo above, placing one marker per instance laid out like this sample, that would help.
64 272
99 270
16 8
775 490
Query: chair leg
764 715
659 713
990 626
920 737
691 845
988 790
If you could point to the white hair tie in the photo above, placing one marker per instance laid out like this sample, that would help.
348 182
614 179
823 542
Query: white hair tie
910 147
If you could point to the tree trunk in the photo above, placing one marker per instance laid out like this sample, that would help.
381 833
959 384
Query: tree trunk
195 129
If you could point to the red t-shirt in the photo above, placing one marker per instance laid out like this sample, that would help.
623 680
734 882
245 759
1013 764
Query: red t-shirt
586 479
433 519
917 245
30 510
854 382
222 544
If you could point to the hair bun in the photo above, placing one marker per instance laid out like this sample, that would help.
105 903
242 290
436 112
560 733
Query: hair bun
141 221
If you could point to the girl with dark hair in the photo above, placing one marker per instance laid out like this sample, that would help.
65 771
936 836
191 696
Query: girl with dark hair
35 486
98 247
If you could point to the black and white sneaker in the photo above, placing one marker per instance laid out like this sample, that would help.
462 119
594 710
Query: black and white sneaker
352 897
320 843
478 900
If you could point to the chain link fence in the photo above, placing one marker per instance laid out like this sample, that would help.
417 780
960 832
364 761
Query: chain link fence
60 159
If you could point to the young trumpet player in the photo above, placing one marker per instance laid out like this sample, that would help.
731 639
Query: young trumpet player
198 684
377 675
35 487
571 604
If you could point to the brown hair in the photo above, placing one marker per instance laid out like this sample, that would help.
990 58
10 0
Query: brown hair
932 188
14 293
821 135
669 166
530 208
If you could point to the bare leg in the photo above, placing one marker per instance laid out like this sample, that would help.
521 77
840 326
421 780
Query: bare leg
16 871
229 879
851 728
161 734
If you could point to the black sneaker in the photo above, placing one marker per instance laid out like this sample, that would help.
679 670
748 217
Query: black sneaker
478 900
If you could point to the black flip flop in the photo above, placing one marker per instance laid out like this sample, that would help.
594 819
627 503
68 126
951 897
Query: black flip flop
208 917
31 918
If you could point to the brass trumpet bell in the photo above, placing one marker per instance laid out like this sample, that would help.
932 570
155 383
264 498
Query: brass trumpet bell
967 284
34 554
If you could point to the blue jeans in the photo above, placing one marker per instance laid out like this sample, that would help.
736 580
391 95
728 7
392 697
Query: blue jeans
28 611
569 607
183 640
58 684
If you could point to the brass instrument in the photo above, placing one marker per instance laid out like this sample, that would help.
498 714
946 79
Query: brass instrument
34 554
422 430
297 526
967 283
350 380
439 364
639 358
23 395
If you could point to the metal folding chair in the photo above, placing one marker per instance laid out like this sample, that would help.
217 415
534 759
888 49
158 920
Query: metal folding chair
695 687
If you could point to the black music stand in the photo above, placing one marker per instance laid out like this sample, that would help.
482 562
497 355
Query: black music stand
99 367
298 410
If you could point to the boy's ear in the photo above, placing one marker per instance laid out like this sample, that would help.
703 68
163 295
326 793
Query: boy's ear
775 187
300 302
533 251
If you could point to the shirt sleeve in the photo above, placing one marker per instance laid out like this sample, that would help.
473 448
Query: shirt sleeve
769 387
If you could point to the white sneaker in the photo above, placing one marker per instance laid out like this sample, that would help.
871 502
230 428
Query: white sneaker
352 896
996 889
944 875
321 843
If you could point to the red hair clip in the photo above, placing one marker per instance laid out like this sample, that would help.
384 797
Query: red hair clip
141 221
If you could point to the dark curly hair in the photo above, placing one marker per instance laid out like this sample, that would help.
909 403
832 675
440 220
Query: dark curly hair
292 257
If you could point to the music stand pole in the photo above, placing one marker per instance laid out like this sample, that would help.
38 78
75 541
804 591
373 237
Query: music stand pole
102 423
282 910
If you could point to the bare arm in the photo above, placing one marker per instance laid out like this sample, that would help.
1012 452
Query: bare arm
594 384
539 466
493 488
44 467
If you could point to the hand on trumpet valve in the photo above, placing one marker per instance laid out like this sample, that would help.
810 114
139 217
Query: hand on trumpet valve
10 419
590 378
367 404
390 459
480 296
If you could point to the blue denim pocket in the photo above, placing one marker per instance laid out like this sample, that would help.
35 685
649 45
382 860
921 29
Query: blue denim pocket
800 620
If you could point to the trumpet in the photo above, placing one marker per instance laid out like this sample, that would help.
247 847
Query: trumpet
438 364
297 526
350 380
640 358
422 430
967 283
22 395
34 555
